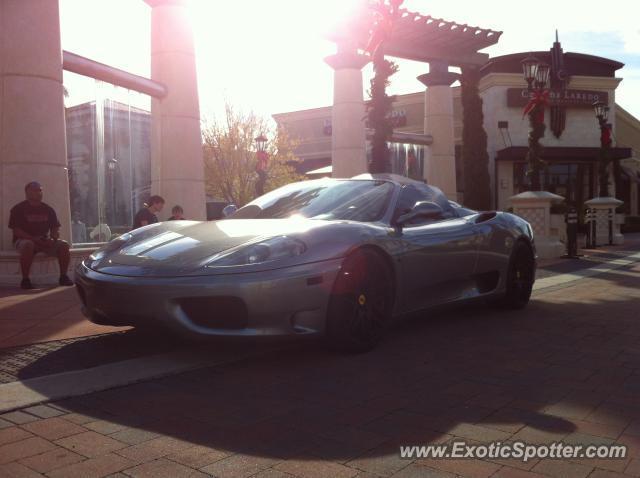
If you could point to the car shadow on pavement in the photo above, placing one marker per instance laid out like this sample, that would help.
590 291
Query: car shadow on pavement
79 353
564 368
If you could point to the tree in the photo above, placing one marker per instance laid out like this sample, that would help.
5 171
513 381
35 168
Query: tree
230 156
385 13
475 159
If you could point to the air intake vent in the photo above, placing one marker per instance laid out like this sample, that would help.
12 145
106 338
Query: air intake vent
216 312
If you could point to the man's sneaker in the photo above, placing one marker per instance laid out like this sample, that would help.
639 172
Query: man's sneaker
26 284
64 280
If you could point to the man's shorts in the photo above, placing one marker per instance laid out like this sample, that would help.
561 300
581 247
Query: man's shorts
52 250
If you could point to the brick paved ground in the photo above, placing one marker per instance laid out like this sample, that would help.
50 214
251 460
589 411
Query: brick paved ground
41 315
566 368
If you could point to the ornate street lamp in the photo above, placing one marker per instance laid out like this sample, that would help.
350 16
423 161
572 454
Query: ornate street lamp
530 68
261 163
536 74
542 75
261 142
604 158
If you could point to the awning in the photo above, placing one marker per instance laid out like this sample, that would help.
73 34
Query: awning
560 154
406 138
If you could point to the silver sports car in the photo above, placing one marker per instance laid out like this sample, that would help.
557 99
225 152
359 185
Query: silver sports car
333 257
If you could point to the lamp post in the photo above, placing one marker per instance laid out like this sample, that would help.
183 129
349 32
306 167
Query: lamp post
602 115
261 163
536 75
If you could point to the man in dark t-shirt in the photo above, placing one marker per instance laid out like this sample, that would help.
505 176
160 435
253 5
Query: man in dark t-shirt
36 229
147 215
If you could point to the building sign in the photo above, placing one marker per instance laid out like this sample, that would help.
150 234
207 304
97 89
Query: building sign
519 97
398 119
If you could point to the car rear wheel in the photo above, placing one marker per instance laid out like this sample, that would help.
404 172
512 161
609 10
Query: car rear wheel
520 277
360 303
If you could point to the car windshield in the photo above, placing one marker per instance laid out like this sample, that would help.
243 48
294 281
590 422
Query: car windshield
353 200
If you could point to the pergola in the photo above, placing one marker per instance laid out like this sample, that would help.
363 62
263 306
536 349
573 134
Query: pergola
423 38
417 37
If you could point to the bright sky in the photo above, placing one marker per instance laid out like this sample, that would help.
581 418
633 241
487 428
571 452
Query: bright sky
267 55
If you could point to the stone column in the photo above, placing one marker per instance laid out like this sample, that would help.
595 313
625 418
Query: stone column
32 129
633 200
177 167
440 167
605 208
535 208
348 137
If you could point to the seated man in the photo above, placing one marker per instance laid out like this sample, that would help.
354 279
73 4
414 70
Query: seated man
78 229
36 229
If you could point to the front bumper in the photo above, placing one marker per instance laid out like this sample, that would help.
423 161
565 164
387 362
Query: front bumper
282 302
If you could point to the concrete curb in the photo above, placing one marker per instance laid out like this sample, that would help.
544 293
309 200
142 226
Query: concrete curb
604 266
16 395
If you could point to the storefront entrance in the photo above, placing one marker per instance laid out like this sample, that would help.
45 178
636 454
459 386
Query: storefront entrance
574 181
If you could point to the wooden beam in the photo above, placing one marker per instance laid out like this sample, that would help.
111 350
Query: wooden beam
427 54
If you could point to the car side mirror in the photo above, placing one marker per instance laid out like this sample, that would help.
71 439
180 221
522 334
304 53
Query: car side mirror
422 209
229 210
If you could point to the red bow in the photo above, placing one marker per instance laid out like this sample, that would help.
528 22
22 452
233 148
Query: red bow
605 136
540 97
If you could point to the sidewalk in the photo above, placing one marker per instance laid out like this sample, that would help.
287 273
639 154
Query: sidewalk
43 315
631 243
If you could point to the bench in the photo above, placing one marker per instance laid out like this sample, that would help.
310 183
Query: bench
44 270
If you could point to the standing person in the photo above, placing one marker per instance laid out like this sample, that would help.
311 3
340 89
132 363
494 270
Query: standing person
177 213
147 215
78 229
101 233
36 229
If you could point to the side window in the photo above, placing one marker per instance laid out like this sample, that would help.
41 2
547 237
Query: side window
409 196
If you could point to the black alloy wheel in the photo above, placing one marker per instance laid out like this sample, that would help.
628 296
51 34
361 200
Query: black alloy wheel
360 303
520 276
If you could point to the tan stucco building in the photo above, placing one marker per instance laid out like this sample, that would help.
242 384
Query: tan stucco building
97 161
571 156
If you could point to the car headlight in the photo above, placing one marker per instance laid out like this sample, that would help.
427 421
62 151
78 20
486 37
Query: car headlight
269 250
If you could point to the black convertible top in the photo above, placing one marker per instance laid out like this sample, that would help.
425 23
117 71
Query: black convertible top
431 193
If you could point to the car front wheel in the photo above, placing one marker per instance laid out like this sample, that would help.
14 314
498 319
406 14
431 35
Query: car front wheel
520 277
360 303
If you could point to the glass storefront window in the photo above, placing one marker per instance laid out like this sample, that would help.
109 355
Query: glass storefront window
406 159
573 181
108 154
